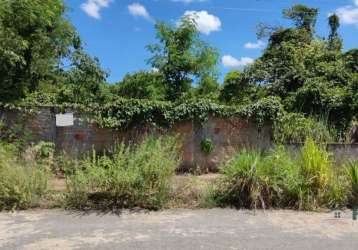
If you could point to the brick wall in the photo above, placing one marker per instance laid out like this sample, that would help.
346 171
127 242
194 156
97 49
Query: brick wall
228 136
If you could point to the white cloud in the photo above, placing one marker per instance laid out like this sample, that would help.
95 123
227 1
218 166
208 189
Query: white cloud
205 22
349 14
188 1
138 10
232 62
93 7
258 45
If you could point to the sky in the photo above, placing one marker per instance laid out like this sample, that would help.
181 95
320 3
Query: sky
117 31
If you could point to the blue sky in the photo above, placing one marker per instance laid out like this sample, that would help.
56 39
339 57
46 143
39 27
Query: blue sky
117 31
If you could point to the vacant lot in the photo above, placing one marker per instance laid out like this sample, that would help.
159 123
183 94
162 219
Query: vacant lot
177 229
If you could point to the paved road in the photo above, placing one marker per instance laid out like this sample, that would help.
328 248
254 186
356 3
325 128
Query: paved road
177 229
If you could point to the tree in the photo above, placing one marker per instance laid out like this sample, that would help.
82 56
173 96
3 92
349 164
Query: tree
334 41
302 16
311 75
351 60
84 82
34 38
208 88
181 57
142 85
237 88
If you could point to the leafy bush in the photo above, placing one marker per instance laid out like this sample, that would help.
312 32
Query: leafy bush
132 176
21 185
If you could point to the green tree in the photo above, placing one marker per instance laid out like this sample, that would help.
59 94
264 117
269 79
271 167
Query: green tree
142 85
334 41
351 60
84 82
181 57
311 75
34 38
237 88
302 16
208 87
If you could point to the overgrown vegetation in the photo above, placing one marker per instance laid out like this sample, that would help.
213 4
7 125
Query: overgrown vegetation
305 85
308 76
253 179
22 184
132 176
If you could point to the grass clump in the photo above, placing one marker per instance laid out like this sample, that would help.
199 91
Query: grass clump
352 177
252 179
132 176
22 184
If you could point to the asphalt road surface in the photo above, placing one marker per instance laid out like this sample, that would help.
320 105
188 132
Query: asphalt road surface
177 229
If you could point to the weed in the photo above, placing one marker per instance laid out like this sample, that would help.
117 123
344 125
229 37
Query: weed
21 184
133 176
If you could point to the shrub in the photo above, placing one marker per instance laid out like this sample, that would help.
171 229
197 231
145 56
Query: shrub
132 176
21 185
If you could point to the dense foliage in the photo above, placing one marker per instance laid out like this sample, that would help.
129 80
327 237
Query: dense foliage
181 56
300 77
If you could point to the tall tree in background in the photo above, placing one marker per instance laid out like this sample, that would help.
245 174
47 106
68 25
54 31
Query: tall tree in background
237 89
310 74
84 82
142 85
334 41
302 16
34 38
181 56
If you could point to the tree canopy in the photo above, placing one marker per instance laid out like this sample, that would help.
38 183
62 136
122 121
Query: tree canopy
181 57
42 60
34 38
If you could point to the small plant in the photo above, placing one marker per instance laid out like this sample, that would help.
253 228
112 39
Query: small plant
45 150
207 146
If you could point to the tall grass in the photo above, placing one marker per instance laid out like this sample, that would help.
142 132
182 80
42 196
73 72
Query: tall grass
278 178
316 172
133 176
22 184
352 176
252 179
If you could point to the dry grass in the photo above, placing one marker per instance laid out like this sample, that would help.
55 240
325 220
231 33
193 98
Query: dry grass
188 191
